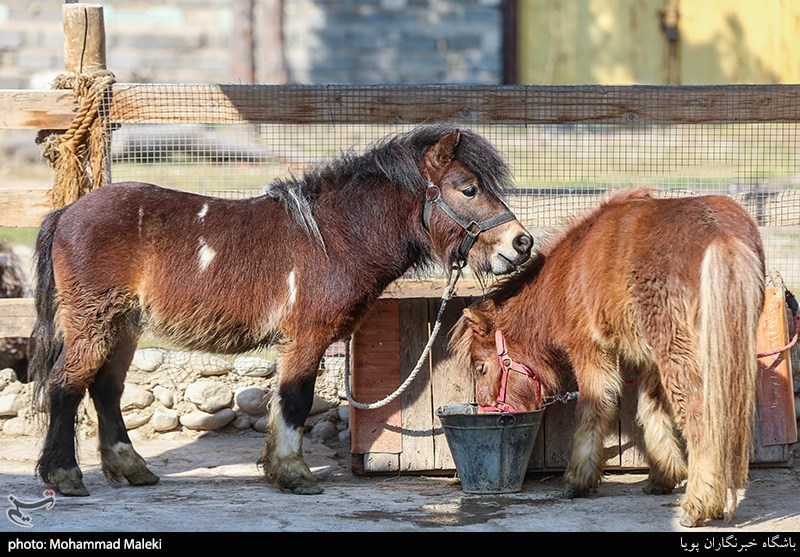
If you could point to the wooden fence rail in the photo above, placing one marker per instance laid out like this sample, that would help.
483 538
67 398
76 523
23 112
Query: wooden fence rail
343 104
409 104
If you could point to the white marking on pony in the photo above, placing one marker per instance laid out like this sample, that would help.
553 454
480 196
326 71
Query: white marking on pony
504 256
292 289
289 439
141 216
205 255
201 214
119 447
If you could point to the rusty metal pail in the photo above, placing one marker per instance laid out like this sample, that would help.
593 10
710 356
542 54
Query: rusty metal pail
492 450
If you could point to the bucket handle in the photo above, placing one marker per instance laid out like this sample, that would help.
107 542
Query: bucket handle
506 420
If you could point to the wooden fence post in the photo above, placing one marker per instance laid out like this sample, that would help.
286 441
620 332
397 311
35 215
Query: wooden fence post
79 155
84 38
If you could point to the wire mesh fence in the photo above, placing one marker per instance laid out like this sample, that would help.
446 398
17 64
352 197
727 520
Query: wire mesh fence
567 146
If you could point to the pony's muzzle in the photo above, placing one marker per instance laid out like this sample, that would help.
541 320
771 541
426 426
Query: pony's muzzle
523 243
511 249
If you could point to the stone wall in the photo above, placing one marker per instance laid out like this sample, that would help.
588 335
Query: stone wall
326 41
170 392
173 392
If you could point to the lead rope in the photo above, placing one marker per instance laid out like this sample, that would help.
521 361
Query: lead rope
448 293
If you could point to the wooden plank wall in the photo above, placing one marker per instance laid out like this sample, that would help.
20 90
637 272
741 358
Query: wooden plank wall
376 354
422 446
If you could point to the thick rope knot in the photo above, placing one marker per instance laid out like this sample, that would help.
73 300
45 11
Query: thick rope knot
78 154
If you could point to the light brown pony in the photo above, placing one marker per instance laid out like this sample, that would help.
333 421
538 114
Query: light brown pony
296 267
669 288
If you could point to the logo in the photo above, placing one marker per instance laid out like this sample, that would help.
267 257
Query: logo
16 513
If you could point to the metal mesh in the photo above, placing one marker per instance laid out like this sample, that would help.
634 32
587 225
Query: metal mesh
567 146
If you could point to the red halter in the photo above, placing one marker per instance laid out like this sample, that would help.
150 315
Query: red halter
506 365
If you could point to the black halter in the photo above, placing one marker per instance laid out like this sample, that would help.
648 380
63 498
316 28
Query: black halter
434 195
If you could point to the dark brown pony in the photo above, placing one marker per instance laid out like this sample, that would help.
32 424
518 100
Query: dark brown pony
671 289
296 268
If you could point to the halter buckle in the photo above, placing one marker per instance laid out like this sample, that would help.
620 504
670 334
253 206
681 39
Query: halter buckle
433 195
508 365
437 193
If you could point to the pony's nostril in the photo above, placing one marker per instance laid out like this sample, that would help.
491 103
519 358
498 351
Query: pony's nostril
523 243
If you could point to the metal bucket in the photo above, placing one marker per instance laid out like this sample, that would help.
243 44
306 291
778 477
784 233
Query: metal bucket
491 450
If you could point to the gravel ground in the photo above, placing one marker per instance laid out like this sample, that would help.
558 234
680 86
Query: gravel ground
210 483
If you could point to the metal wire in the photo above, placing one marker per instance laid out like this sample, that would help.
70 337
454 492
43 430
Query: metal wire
562 163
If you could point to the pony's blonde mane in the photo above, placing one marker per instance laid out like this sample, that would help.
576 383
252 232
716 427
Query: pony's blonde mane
554 236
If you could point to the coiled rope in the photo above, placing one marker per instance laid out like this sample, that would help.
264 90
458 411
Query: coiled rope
78 155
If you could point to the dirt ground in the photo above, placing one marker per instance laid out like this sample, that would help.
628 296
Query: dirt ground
210 483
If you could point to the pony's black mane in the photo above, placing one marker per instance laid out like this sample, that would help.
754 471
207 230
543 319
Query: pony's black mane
394 159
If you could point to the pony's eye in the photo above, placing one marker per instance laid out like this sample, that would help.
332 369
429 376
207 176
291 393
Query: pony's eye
481 368
470 191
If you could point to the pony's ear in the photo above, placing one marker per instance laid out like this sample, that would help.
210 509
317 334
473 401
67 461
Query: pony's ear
442 153
479 321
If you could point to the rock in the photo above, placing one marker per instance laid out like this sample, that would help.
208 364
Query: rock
253 366
261 423
137 419
213 366
205 421
319 405
179 365
209 396
8 375
10 405
241 422
182 364
18 427
323 431
252 400
164 396
343 412
164 419
184 407
3 384
147 359
14 388
135 397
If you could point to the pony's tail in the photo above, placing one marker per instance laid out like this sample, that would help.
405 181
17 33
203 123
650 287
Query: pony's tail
731 299
44 345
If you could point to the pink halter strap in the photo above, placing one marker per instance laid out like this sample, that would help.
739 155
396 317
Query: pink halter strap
507 365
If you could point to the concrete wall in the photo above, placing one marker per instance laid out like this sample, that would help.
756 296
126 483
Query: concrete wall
326 41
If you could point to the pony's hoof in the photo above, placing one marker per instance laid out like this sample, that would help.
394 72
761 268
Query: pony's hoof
653 489
570 492
68 482
290 475
142 477
122 461
302 486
